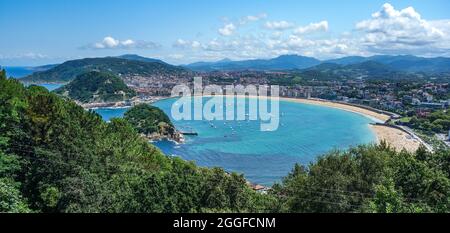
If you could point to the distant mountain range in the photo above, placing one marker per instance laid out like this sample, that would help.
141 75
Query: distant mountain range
365 69
401 63
405 63
127 65
352 66
284 62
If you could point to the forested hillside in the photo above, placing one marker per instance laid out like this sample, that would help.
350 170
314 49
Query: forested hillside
373 179
96 86
68 70
57 157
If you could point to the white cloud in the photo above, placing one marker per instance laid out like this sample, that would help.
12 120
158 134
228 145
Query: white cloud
403 31
223 45
32 55
387 31
111 43
180 43
312 27
227 29
252 18
128 42
176 56
278 25
108 42
29 55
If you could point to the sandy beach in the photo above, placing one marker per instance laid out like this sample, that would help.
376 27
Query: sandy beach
374 115
395 137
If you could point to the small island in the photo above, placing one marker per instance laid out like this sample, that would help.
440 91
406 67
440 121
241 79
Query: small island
152 123
97 87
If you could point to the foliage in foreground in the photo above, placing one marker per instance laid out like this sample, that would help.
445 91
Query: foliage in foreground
369 179
56 157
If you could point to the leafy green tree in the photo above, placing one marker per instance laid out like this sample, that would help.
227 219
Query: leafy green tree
147 119
10 198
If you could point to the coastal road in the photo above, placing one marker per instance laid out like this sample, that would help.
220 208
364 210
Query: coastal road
411 132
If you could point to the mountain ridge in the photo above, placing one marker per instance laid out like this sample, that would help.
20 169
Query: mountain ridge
282 62
132 64
68 70
406 63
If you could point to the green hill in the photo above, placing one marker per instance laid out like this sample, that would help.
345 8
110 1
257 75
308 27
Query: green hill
68 70
96 87
151 122
57 157
135 57
366 70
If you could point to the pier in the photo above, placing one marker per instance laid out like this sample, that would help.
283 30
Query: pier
192 133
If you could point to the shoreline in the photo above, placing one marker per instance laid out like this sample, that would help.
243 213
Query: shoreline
382 118
396 138
120 104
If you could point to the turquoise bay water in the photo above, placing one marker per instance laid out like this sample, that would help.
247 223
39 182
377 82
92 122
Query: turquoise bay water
264 157
108 113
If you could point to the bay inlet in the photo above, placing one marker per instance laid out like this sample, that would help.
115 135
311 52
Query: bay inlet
264 157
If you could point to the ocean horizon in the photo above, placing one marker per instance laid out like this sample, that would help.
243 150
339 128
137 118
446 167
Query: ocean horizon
18 71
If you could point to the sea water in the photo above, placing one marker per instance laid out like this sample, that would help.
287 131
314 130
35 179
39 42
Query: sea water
264 157
17 71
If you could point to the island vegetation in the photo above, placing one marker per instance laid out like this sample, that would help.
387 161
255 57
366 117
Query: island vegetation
96 86
57 157
152 122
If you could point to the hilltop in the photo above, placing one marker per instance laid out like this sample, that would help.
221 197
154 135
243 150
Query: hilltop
135 57
96 86
68 70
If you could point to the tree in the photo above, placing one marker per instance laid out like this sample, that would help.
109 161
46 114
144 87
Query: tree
10 198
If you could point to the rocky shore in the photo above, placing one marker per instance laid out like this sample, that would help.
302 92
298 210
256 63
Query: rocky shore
177 137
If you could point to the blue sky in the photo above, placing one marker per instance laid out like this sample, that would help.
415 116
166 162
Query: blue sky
50 31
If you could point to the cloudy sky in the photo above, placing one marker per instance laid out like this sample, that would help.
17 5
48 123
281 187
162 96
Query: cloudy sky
50 31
